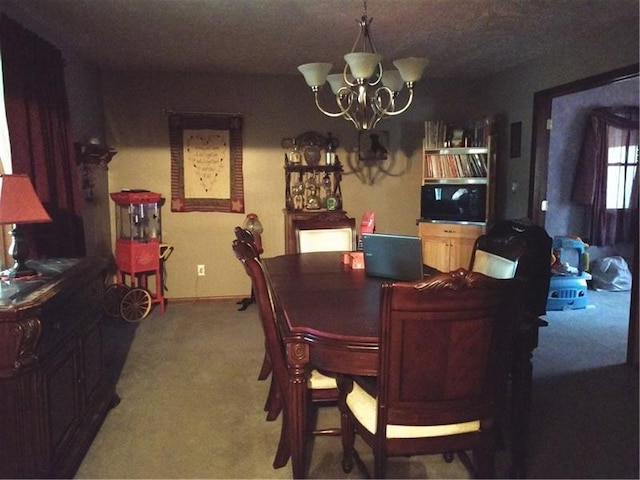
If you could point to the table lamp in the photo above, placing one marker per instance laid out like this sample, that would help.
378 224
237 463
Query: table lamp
19 204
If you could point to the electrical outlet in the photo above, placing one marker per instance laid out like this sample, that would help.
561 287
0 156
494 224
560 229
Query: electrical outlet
201 270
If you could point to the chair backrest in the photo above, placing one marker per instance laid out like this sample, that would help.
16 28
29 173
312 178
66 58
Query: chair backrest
533 264
268 308
444 348
497 255
325 232
246 236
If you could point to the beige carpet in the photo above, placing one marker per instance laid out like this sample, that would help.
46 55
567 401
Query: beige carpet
192 406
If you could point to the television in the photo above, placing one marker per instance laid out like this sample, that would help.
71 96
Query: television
453 202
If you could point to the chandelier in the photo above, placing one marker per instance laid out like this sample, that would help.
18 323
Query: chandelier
365 92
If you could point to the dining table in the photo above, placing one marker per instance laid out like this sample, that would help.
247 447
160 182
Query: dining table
331 321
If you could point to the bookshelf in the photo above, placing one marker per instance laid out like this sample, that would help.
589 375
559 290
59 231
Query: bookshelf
457 191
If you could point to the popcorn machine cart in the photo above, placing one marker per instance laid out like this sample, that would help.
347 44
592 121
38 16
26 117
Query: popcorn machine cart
140 254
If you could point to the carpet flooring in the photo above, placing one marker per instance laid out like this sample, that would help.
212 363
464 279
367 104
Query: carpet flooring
192 406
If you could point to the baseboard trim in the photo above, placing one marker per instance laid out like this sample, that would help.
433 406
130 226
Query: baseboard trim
236 298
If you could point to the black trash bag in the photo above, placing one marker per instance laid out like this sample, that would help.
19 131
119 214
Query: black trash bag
612 274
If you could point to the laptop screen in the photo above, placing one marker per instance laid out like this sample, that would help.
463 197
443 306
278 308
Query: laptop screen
398 257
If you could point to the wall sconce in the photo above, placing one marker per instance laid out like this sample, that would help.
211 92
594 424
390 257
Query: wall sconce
19 204
90 156
371 161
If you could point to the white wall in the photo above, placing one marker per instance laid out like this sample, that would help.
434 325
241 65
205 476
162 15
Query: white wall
273 107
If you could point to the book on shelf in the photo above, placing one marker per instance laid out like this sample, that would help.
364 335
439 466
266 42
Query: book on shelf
435 134
438 134
455 165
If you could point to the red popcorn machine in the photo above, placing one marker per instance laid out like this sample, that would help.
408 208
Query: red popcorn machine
140 254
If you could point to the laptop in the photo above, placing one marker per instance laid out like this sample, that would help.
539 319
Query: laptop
398 257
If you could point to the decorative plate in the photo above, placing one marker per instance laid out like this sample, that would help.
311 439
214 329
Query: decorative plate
311 138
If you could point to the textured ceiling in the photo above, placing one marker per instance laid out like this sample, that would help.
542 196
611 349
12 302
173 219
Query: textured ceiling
461 38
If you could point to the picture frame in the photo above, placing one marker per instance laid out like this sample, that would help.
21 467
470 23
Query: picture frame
206 162
373 146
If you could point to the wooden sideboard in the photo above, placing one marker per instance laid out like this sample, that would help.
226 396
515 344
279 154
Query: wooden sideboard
54 394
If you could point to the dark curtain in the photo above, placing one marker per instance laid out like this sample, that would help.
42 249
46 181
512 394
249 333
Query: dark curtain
607 127
41 144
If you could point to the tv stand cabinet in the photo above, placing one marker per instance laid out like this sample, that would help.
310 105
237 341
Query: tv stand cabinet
54 393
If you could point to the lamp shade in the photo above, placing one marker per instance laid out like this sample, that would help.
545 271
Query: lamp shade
315 74
19 202
411 68
362 64
336 80
392 80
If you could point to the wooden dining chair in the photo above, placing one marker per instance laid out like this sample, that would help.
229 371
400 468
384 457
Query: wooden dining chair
246 236
323 389
273 404
497 255
444 360
325 232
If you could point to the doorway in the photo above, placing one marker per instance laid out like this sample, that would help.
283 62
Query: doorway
540 170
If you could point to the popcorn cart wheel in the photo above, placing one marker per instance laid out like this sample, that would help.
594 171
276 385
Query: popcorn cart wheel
130 303
135 305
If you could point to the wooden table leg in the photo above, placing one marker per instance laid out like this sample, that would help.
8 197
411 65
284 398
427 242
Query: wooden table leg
297 360
521 378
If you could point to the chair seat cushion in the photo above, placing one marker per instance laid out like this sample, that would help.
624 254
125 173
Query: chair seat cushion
320 381
364 408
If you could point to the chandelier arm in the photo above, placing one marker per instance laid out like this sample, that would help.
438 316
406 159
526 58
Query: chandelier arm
342 94
374 122
341 113
362 23
392 113
376 100
353 120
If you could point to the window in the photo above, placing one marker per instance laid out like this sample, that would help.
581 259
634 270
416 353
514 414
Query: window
622 163
5 148
5 167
